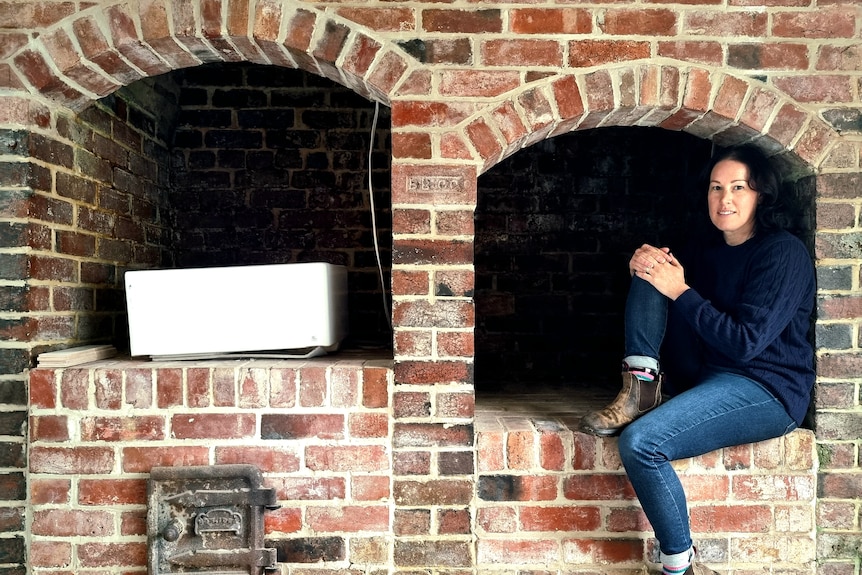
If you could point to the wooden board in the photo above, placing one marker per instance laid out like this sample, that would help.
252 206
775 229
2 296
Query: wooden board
75 355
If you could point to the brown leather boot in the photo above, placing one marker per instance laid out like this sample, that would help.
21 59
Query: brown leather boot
636 398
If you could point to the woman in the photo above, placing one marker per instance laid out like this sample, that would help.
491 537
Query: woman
732 327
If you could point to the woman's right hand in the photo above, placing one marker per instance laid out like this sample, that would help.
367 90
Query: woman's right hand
647 257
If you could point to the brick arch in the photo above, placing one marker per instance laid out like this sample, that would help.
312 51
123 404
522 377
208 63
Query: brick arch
711 104
98 50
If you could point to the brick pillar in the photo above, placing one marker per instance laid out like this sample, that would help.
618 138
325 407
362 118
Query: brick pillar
16 301
433 404
838 416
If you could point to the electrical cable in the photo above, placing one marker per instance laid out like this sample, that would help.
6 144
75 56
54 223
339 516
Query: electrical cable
374 217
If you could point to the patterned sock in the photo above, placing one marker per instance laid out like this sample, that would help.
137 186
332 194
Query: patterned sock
677 563
642 367
643 373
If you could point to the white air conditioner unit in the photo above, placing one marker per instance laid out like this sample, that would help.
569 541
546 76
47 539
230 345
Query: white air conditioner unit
281 309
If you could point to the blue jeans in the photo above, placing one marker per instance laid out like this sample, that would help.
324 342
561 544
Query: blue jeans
721 409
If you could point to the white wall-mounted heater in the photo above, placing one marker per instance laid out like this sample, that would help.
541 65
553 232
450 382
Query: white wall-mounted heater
279 310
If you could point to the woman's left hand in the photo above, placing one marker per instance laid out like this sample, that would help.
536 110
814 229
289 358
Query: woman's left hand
667 276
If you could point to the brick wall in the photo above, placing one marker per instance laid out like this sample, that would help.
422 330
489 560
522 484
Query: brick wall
467 87
320 432
271 166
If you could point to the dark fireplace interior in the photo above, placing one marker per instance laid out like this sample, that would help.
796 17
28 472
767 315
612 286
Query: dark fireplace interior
266 165
555 227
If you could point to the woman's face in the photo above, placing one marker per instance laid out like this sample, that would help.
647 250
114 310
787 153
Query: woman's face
732 202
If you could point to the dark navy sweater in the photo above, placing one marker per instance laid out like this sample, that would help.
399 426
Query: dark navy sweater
749 311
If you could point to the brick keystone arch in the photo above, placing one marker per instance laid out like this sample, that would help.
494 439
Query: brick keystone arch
98 50
707 103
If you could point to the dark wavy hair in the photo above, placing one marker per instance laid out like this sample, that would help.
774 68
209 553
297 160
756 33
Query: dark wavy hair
764 178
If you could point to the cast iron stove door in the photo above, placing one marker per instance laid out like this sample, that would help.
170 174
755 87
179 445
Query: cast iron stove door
208 520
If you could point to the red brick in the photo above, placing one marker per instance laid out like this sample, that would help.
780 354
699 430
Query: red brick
620 520
169 387
552 452
43 390
411 404
50 554
520 450
602 487
455 344
108 492
282 387
589 53
550 21
308 488
705 487
411 463
454 223
705 52
49 428
508 121
349 519
370 488
462 21
368 425
361 55
651 22
497 519
269 459
433 492
824 23
734 24
212 426
139 388
283 520
411 221
112 554
821 88
344 386
415 145
774 488
388 71
432 434
375 387
312 387
569 518
142 428
224 387
453 522
733 518
484 140
133 522
768 56
511 52
457 405
412 522
507 551
198 387
74 385
49 491
413 343
441 314
346 458
109 388
71 460
737 457
302 425
436 372
72 523
450 252
143 459
787 124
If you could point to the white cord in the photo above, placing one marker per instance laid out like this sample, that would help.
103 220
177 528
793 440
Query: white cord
374 217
